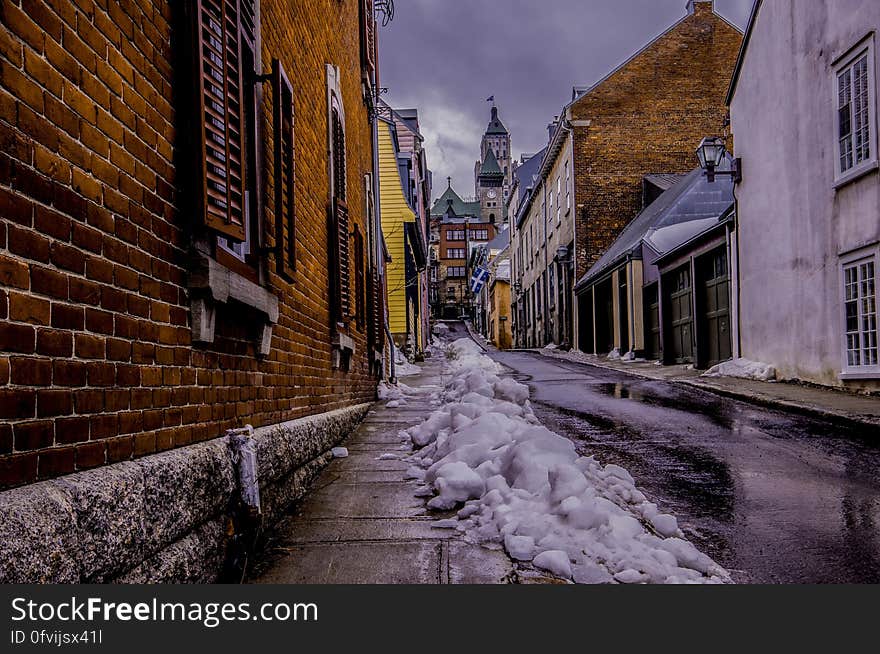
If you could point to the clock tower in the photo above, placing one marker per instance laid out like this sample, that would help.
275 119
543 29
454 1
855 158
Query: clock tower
493 173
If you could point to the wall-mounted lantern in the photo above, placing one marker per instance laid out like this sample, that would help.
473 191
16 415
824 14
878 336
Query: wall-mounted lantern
712 153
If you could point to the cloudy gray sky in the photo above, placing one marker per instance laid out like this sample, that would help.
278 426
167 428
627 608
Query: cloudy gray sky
445 57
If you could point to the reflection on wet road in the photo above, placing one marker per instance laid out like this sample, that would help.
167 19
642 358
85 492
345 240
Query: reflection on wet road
774 497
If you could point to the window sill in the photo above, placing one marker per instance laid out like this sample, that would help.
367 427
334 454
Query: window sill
853 375
210 284
856 174
343 351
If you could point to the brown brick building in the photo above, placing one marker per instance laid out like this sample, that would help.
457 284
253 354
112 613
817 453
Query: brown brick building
647 116
182 188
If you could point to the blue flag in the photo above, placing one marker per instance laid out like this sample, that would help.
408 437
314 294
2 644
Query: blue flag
479 279
490 98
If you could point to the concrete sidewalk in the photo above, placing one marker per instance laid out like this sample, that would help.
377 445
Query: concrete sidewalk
857 411
362 524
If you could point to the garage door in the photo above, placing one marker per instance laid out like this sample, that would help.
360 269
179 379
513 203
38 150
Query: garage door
677 289
714 307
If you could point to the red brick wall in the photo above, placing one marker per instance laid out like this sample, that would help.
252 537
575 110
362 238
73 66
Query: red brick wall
648 117
96 359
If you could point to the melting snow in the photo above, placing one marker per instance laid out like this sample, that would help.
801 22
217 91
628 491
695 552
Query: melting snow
519 485
743 369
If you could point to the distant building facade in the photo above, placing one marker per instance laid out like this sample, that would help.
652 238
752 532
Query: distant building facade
458 227
499 303
528 236
493 173
807 251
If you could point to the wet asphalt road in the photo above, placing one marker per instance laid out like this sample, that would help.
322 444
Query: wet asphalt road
773 497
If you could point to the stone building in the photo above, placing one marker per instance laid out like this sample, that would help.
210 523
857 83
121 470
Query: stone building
458 228
644 118
803 107
527 242
493 173
188 246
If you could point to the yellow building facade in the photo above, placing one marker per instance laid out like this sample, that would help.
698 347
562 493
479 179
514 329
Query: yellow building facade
398 222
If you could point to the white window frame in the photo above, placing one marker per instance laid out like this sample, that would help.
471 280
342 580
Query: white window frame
567 188
854 259
558 200
864 48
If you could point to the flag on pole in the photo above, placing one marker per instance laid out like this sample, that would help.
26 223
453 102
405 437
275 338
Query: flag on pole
479 279
491 98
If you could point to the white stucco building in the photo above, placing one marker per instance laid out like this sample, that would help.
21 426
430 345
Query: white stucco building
803 105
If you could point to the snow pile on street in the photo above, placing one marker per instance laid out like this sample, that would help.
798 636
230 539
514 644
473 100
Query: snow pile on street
551 346
397 395
402 367
440 329
523 487
743 369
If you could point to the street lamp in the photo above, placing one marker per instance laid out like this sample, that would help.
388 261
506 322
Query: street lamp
712 153
562 255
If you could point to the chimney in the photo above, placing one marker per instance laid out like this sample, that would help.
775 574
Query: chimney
551 128
700 6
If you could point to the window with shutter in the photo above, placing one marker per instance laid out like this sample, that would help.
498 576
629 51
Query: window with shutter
359 279
222 29
368 37
284 182
341 263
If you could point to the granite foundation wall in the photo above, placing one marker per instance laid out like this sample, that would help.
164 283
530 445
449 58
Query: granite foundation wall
165 518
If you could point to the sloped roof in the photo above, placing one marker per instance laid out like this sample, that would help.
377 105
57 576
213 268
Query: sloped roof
664 181
501 241
495 124
688 209
459 206
747 39
529 169
490 167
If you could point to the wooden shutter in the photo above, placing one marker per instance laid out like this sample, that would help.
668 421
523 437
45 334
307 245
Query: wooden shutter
220 25
359 279
284 182
341 264
372 336
338 155
368 37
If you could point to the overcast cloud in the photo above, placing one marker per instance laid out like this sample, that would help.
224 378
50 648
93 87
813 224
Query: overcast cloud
445 57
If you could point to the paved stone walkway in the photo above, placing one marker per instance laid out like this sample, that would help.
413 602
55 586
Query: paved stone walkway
363 524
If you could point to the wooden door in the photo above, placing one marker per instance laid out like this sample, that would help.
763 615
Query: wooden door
714 337
677 289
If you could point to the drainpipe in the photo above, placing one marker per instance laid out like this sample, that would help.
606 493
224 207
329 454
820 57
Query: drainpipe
393 377
739 352
244 455
544 283
245 520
